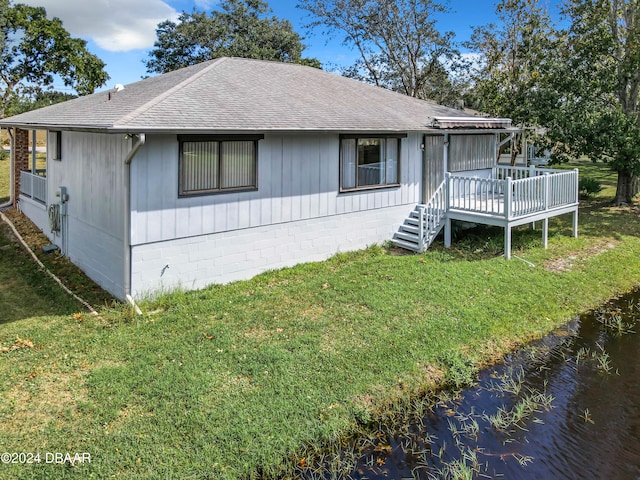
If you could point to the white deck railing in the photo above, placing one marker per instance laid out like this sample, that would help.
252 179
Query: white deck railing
431 217
33 186
513 192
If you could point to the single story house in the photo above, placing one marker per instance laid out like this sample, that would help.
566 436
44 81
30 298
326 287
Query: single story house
225 169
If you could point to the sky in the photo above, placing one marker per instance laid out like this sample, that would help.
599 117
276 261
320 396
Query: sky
122 32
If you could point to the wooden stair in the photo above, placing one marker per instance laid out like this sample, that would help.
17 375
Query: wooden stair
408 235
423 224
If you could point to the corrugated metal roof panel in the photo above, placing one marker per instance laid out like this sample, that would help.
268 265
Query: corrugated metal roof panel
471 122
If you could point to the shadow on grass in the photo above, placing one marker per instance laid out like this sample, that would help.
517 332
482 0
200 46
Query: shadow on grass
597 218
601 219
25 292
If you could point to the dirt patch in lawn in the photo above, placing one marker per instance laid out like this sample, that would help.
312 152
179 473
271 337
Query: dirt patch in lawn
566 263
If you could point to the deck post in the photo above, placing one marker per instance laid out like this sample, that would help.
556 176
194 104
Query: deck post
421 213
447 232
545 232
545 192
447 189
508 198
507 242
33 153
577 192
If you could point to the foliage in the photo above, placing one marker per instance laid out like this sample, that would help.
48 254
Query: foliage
588 187
242 28
37 49
398 42
460 370
33 98
231 381
507 70
4 7
510 55
590 89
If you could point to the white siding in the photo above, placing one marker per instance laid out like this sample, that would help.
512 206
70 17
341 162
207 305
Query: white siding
297 180
471 152
37 213
92 170
195 262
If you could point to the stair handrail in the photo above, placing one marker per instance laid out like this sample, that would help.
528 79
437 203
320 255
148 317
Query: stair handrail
431 215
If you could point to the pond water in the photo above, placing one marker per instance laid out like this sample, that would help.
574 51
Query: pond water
567 407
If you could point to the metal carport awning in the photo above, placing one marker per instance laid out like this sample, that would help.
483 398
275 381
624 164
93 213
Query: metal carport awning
471 122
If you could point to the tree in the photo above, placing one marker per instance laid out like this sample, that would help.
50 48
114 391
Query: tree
34 98
399 45
4 7
592 88
34 50
510 56
241 29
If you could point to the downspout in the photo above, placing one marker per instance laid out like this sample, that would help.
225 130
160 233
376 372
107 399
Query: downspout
141 139
11 170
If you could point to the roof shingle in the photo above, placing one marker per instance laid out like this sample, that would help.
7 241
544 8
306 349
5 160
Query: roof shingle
234 94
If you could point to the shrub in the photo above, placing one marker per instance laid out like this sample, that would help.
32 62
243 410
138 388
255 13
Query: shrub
587 187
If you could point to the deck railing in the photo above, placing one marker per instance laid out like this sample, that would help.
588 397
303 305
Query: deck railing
476 194
431 217
513 192
33 186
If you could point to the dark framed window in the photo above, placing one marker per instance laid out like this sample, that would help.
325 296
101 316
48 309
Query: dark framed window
369 161
216 164
55 137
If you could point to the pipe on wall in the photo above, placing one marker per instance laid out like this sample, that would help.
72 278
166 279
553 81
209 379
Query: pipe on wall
140 140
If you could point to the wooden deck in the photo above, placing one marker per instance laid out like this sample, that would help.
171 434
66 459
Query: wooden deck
511 196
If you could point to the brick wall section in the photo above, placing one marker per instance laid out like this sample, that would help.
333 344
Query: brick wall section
20 159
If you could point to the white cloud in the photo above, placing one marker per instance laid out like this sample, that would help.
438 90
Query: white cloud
114 25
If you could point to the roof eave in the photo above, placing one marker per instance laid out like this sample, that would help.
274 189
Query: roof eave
166 130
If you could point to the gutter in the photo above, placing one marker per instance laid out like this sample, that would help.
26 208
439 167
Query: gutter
141 140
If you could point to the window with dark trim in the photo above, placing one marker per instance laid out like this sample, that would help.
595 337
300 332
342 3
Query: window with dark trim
55 136
369 161
216 164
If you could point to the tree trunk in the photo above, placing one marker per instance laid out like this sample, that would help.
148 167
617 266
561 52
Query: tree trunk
515 149
628 186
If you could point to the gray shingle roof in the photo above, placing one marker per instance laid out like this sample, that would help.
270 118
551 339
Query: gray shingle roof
234 94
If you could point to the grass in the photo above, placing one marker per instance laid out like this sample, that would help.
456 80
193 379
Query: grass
24 292
243 380
5 179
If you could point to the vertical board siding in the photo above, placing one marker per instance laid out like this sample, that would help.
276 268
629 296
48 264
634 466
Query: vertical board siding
434 165
471 152
298 178
92 169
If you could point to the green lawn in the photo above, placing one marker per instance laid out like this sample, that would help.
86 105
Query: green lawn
233 381
5 180
25 293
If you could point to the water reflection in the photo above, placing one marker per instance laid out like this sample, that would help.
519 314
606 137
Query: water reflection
505 427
